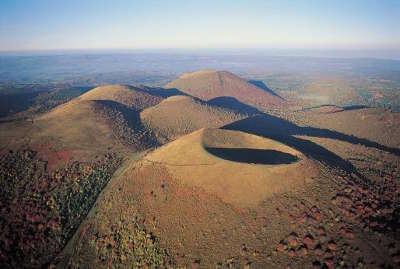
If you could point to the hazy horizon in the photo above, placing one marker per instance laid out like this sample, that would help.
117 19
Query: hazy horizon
40 26
306 53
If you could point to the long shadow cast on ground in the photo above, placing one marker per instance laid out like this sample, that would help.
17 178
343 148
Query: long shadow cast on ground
260 84
281 130
261 125
163 92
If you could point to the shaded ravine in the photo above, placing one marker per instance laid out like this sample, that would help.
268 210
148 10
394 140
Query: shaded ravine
135 131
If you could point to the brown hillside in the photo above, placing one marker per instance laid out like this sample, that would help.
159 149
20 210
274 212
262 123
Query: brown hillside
207 154
132 97
102 120
94 125
268 204
181 115
65 157
209 84
83 128
194 200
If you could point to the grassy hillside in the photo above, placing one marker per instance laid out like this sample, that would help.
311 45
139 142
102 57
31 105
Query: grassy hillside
181 115
95 124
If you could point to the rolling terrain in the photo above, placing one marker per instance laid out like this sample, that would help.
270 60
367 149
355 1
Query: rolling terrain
82 141
280 206
104 118
199 175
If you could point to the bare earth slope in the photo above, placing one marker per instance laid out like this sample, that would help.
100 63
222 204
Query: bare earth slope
209 84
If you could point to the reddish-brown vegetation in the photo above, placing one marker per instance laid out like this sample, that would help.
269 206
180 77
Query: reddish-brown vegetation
40 209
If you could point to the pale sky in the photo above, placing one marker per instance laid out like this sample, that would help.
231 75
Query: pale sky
119 24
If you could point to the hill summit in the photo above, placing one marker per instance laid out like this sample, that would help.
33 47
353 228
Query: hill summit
211 84
132 97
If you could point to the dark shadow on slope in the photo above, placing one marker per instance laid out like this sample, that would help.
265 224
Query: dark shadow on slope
233 104
260 84
338 108
284 131
162 92
255 156
325 133
11 104
155 91
37 101
276 129
134 133
354 107
277 126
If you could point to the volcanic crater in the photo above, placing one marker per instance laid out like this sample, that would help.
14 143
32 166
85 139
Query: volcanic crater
240 168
